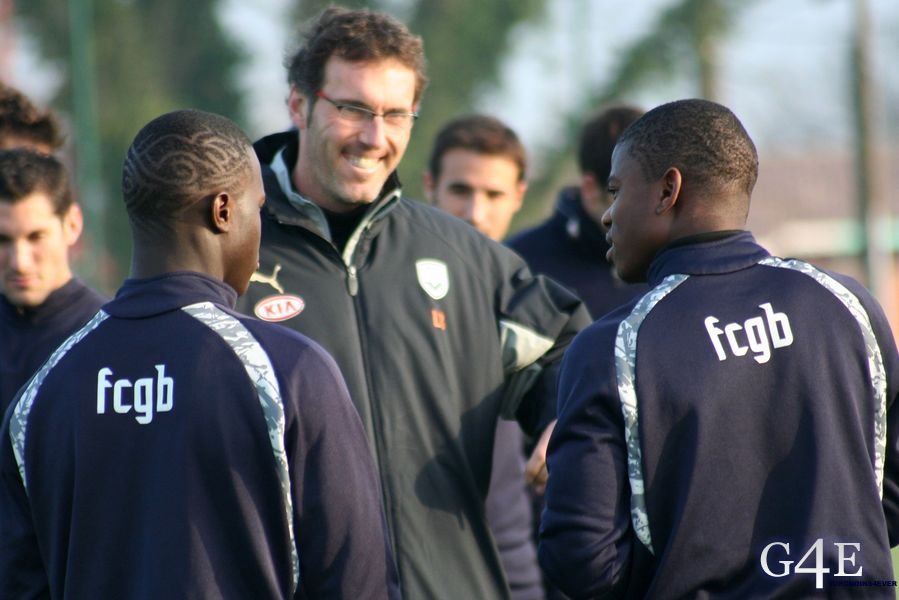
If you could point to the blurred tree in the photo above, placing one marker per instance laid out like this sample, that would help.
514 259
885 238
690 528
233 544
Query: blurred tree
872 206
465 43
682 43
151 56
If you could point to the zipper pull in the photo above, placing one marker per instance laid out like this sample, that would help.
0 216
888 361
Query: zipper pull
352 283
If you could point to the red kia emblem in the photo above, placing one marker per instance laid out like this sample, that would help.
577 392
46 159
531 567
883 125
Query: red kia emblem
279 308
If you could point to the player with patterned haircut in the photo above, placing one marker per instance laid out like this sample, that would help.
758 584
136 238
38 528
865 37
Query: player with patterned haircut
173 447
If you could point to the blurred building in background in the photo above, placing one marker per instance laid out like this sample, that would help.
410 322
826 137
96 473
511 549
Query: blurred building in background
804 206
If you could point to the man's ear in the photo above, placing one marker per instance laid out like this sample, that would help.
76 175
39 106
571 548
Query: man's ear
298 105
671 185
427 183
72 224
222 212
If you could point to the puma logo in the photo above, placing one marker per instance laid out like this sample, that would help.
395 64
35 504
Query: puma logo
271 280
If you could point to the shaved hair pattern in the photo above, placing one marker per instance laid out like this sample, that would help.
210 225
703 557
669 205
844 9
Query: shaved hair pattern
703 139
180 158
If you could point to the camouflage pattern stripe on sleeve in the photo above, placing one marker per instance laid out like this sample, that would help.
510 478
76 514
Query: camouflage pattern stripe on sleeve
626 368
19 420
262 374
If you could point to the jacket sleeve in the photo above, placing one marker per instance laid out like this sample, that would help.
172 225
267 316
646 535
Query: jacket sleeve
339 523
586 536
887 346
890 357
22 572
538 319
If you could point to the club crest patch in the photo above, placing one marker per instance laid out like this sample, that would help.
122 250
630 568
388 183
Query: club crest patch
279 308
433 277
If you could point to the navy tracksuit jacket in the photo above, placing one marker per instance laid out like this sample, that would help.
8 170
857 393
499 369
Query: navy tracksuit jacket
735 419
173 448
28 336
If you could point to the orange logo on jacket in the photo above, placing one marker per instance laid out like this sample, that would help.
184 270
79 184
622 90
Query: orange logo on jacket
438 318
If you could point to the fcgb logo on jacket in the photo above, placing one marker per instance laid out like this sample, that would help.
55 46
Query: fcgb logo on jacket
433 277
758 334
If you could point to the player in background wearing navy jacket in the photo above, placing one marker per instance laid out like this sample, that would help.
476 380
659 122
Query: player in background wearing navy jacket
733 432
570 246
173 448
41 301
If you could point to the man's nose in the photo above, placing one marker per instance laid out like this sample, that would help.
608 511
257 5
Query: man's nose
20 256
476 209
607 218
374 132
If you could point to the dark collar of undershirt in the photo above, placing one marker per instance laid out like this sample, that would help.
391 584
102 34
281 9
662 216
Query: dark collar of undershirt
342 225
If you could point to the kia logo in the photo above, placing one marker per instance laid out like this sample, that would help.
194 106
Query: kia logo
279 308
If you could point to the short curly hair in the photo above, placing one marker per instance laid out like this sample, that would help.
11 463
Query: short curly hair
24 172
482 134
21 119
356 36
703 139
179 158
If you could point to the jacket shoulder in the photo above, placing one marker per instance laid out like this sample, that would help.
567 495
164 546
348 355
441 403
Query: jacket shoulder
286 347
527 237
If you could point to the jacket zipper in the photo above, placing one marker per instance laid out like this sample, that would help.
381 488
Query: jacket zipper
352 282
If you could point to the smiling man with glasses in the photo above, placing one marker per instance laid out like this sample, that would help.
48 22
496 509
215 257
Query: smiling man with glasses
437 329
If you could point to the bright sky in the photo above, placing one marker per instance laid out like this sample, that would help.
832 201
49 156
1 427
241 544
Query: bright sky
783 69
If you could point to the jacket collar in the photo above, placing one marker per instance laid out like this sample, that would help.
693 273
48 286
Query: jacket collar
139 298
583 231
56 302
707 254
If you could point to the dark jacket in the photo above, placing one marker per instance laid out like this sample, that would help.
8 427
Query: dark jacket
571 248
511 516
437 330
28 336
744 404
173 448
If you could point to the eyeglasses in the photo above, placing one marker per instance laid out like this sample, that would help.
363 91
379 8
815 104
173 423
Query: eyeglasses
353 113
